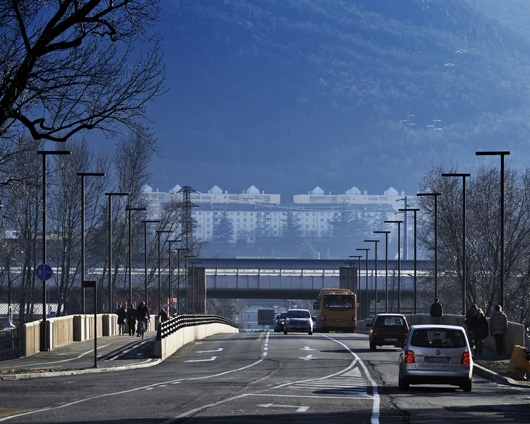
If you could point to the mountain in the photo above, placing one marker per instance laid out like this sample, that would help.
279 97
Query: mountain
291 94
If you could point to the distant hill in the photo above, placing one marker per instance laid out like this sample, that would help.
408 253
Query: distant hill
290 94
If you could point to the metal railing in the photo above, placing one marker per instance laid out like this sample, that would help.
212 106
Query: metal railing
174 324
11 343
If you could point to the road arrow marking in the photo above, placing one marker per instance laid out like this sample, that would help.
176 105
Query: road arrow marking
307 358
213 358
306 348
298 408
209 351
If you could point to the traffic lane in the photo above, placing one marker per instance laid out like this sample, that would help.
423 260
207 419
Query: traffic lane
127 393
488 401
310 379
229 389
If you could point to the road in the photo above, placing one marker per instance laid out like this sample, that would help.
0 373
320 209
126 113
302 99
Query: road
260 378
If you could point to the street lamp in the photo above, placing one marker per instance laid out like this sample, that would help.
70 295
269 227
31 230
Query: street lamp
179 249
146 289
501 154
44 154
186 281
366 265
129 210
170 283
110 244
158 233
358 270
399 260
415 210
464 271
386 233
375 282
435 195
83 175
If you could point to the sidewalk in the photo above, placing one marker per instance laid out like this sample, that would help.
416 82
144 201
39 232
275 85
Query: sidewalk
114 353
494 367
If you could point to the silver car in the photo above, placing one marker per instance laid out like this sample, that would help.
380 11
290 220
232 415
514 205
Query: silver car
436 354
298 320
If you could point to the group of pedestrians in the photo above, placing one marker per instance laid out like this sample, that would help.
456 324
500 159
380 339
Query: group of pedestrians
131 316
478 326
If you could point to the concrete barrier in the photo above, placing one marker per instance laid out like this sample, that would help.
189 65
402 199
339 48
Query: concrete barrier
514 337
170 344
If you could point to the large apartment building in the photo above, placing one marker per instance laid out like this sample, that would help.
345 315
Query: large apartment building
253 212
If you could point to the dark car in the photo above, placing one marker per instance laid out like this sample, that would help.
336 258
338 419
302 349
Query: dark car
388 329
279 322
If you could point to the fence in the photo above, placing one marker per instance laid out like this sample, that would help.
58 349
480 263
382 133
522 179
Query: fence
176 332
11 343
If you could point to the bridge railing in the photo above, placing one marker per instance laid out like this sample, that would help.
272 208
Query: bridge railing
177 331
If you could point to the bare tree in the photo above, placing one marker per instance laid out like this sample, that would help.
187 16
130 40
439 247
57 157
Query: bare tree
482 238
73 65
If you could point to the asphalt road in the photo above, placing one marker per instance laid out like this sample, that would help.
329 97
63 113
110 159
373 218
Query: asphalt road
260 378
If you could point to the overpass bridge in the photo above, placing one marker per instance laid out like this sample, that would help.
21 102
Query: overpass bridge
299 279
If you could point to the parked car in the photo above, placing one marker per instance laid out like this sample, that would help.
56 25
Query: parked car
436 354
388 329
279 322
298 320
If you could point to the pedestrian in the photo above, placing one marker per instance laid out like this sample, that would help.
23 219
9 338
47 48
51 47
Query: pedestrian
122 315
162 315
479 330
142 314
436 312
131 319
498 327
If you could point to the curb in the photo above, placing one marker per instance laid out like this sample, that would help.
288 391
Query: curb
32 375
491 375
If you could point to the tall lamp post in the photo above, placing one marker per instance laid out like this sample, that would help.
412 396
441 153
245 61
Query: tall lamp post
375 271
358 270
464 271
179 249
170 282
146 289
158 233
130 210
186 280
366 250
399 260
44 154
435 195
415 210
386 233
83 175
110 244
501 272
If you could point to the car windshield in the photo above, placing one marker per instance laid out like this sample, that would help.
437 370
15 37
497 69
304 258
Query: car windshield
390 322
298 314
438 338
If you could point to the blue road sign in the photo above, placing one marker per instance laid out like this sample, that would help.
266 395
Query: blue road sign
44 272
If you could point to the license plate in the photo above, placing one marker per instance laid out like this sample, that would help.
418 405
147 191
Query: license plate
437 360
391 339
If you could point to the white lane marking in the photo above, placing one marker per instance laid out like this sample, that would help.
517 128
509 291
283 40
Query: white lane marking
213 358
124 352
298 408
377 400
209 351
136 389
306 348
70 359
307 358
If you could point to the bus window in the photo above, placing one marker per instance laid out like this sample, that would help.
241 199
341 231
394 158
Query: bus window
338 302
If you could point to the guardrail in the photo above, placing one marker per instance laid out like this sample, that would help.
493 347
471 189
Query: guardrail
177 331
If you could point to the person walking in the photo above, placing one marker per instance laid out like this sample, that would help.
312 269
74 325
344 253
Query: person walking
498 327
131 319
122 315
479 330
436 312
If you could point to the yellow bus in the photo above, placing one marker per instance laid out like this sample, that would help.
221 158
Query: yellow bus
336 310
